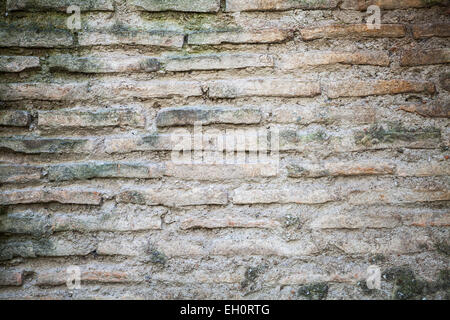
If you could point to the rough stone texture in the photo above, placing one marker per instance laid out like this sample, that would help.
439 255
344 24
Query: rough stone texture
357 30
129 148
241 36
61 5
18 63
178 5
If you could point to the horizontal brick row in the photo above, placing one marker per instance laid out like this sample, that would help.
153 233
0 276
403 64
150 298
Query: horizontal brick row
44 37
219 196
214 5
116 64
210 172
40 224
236 88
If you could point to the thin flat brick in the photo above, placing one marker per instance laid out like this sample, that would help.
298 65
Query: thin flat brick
90 170
354 88
50 195
43 91
59 278
11 278
326 115
146 89
353 30
131 37
181 116
421 31
263 88
295 60
362 5
218 61
178 5
174 197
25 223
33 145
103 64
423 169
425 57
59 5
434 219
430 110
228 222
356 168
44 248
32 37
260 5
267 196
76 118
108 222
397 196
15 118
244 36
18 63
356 221
19 173
219 172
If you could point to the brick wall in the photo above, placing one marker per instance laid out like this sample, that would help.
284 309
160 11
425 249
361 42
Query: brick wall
358 176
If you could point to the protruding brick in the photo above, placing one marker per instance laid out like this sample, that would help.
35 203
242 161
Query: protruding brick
263 87
33 145
11 278
352 88
89 170
218 61
431 110
58 278
295 60
131 37
59 5
79 118
397 196
32 37
50 195
353 30
103 64
44 91
14 118
19 173
146 89
18 63
243 36
429 30
181 116
296 169
220 171
174 197
260 5
178 5
228 222
425 57
301 196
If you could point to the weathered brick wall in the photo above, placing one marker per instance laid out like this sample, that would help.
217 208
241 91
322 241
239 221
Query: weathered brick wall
88 179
